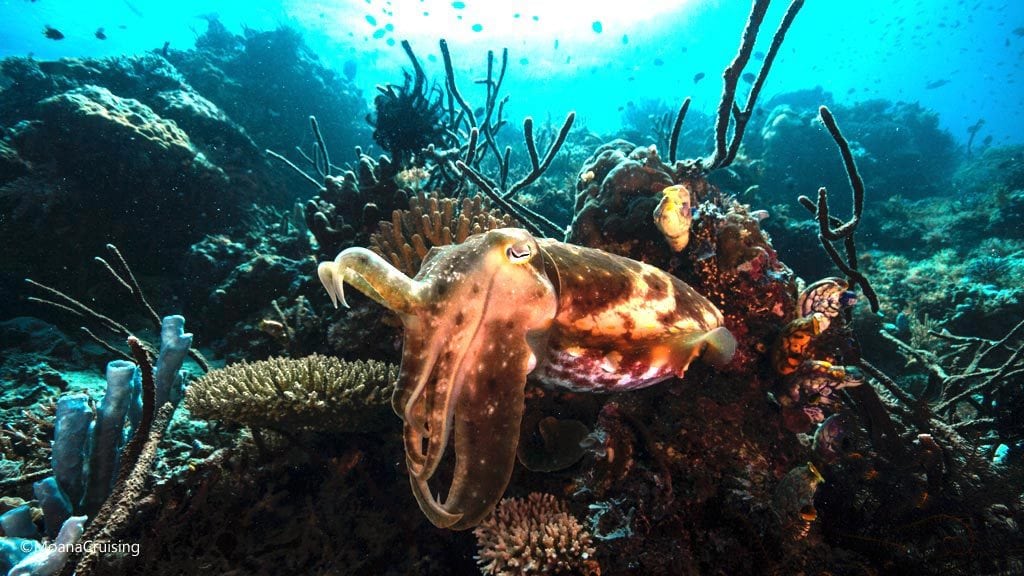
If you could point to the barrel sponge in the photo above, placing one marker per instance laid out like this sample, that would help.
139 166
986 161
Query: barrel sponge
313 393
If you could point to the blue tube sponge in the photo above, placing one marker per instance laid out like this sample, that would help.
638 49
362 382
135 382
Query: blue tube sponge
108 434
17 522
48 560
71 443
14 550
55 505
135 404
174 345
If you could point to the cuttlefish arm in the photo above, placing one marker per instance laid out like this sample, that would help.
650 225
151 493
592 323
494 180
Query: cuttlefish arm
373 276
475 317
485 422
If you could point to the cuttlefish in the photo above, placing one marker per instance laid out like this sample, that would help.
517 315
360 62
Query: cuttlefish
483 315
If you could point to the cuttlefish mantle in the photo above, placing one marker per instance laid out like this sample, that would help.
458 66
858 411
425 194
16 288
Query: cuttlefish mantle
483 315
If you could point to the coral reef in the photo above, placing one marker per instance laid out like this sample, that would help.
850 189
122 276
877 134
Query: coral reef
347 207
899 148
617 191
270 82
315 393
821 448
534 535
432 222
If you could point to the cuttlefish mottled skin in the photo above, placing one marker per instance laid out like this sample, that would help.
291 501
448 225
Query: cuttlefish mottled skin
481 316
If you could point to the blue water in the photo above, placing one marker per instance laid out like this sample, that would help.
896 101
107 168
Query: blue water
961 58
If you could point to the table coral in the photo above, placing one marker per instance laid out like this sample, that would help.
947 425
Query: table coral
315 392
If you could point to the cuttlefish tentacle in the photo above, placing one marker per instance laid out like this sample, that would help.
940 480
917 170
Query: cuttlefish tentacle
478 386
428 409
476 317
419 357
486 424
373 276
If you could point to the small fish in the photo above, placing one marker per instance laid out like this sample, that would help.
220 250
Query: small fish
479 112
748 77
1018 31
759 55
100 34
659 62
698 77
52 33
349 69
133 8
936 84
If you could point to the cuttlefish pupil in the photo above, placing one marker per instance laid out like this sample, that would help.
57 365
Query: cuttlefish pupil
519 252
482 316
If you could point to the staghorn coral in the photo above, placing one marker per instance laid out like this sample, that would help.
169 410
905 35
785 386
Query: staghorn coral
433 221
315 392
534 535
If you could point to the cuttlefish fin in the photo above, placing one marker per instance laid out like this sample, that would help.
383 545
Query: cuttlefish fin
716 347
719 347
372 275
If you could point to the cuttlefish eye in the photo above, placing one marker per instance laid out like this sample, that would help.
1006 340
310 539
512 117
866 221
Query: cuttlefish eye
519 252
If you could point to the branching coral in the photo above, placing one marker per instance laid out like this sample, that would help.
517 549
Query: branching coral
315 392
431 222
830 228
125 278
973 380
346 206
534 535
727 107
465 160
501 193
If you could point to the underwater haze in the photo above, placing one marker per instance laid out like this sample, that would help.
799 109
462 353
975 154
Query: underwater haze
961 58
505 288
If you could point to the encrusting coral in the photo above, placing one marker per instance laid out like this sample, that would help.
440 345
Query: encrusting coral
429 222
315 393
534 535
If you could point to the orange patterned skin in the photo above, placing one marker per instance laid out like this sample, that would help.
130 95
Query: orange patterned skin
482 316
